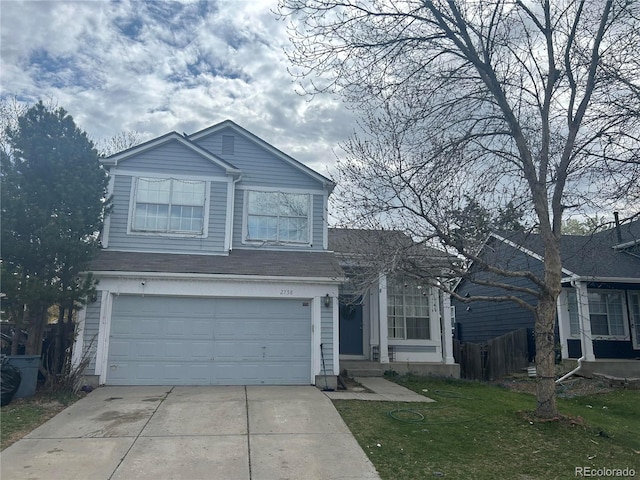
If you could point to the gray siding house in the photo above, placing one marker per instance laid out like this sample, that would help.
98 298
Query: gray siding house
215 267
389 318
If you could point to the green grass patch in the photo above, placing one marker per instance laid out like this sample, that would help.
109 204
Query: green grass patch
23 415
480 431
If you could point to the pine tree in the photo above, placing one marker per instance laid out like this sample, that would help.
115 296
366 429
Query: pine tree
53 204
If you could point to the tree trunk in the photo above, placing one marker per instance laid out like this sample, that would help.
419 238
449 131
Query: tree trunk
546 312
545 358
37 316
65 358
58 345
17 333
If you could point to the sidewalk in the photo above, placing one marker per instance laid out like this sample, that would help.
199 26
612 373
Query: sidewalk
384 391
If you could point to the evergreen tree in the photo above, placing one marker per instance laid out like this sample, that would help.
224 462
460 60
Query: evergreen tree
53 195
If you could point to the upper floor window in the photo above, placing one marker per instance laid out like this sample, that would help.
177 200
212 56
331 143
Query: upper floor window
407 309
278 217
169 206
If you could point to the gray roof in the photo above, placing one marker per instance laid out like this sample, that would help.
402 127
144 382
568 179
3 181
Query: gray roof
238 262
353 241
592 255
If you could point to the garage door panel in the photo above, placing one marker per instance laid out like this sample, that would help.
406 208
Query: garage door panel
232 374
226 328
200 351
177 328
119 372
251 329
199 328
146 371
196 341
119 350
148 350
123 325
287 350
174 350
233 351
173 372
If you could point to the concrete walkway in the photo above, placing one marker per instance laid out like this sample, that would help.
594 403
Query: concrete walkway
164 433
384 391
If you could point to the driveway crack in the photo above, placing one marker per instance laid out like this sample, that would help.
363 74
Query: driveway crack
140 433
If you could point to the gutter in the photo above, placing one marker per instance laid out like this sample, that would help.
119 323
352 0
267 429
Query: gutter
233 207
214 276
594 278
622 246
583 340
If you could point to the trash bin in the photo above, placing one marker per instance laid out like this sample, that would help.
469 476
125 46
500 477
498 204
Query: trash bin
28 366
10 381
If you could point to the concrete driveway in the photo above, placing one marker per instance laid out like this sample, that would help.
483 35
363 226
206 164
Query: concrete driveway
226 433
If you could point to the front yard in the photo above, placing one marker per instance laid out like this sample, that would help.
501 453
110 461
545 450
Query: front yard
23 415
481 431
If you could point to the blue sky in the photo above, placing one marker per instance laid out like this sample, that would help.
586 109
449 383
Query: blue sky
159 66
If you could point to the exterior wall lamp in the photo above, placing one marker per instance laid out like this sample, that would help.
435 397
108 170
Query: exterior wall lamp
327 300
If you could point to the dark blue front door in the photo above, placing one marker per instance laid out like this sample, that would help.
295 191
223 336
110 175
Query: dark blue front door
351 329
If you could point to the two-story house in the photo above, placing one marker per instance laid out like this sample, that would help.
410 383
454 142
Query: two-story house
215 267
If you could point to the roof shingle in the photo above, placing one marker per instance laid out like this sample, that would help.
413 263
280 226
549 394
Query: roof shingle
238 262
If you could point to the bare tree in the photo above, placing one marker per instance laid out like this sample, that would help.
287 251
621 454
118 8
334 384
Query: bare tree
119 142
536 102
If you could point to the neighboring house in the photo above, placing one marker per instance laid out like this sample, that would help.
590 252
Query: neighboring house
215 267
389 318
598 309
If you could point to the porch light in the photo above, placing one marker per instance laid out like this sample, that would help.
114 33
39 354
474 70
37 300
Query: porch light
327 300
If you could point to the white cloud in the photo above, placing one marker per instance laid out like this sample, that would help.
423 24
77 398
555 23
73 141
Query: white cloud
155 67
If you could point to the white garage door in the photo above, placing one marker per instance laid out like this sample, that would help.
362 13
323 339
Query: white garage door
197 341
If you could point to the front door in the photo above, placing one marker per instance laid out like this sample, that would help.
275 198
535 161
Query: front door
351 328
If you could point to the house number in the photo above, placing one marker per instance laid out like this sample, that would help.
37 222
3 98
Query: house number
286 292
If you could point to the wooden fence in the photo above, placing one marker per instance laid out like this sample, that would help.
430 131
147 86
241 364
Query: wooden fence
496 358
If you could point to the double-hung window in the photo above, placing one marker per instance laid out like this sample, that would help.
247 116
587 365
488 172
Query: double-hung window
169 206
574 320
277 217
407 310
606 312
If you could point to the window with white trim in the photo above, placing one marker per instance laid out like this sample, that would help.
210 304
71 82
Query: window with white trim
574 321
277 217
169 206
407 309
606 312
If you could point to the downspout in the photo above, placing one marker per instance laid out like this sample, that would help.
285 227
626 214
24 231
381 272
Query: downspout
233 210
582 342
572 372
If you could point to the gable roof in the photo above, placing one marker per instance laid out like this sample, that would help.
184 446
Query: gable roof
113 160
267 146
364 253
602 254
